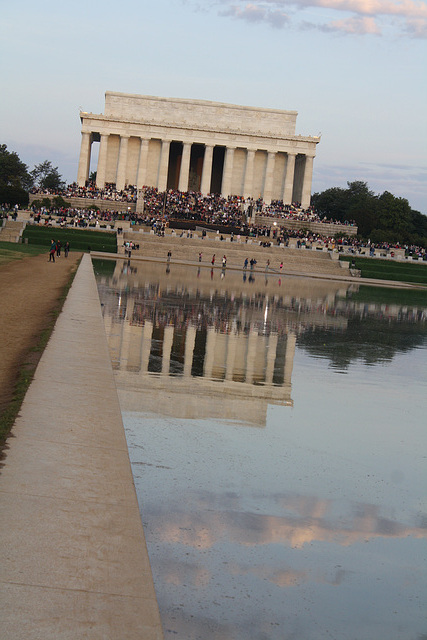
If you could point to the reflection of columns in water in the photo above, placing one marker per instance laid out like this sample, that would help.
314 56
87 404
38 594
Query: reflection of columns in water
210 352
190 339
231 354
167 348
290 354
147 333
108 324
271 358
251 353
218 371
125 346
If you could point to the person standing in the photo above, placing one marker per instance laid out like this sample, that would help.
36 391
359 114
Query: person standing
224 261
66 249
213 260
52 251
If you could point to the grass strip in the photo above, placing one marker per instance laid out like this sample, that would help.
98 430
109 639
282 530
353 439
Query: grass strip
386 270
11 251
27 370
79 239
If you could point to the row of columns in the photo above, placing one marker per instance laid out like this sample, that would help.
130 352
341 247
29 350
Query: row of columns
226 185
130 347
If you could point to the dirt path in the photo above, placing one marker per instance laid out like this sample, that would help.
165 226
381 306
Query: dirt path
30 290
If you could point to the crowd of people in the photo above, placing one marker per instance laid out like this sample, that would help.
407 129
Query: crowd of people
161 208
277 209
92 192
191 205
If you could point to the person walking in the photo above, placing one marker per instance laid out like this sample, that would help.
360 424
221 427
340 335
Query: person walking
213 260
224 261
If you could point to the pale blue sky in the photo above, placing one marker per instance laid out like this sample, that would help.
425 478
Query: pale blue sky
355 70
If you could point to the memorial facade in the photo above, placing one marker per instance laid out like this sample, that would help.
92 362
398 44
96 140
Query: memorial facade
197 145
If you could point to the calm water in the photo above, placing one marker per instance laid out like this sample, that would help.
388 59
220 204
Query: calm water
277 433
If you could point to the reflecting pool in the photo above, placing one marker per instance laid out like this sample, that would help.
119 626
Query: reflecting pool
277 433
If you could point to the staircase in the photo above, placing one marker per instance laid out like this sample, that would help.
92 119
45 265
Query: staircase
298 261
11 231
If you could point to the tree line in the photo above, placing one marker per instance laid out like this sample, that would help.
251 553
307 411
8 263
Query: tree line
16 180
380 218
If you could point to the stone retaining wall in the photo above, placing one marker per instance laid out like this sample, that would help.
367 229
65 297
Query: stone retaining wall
315 227
85 203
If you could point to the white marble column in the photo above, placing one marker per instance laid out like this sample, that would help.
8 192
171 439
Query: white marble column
143 161
248 185
84 161
306 187
289 179
102 161
122 164
269 175
167 348
164 165
184 171
227 172
190 340
205 185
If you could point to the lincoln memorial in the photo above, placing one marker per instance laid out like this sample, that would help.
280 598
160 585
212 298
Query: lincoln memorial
197 145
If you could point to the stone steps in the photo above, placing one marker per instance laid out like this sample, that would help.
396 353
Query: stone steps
294 260
11 231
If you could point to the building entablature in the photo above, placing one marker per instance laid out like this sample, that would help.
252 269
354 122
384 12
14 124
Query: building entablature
100 124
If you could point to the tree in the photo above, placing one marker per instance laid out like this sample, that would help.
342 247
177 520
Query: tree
331 203
13 172
58 202
394 214
383 218
14 178
46 176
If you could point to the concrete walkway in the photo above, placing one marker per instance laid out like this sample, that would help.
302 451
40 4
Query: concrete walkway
74 562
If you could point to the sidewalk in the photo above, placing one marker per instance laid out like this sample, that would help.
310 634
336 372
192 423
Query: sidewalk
74 560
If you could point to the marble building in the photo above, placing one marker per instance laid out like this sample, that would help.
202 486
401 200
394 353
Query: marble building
198 145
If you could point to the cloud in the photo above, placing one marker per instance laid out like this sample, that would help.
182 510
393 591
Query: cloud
254 13
356 25
404 181
367 16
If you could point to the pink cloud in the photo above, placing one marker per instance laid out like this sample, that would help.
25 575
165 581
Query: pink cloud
367 14
356 25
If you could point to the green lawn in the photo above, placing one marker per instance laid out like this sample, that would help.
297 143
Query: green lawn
79 239
10 251
390 270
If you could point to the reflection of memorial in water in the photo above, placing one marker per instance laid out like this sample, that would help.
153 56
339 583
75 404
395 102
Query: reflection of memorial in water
200 347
